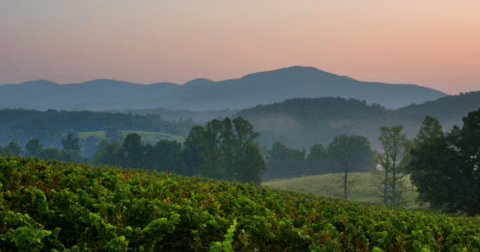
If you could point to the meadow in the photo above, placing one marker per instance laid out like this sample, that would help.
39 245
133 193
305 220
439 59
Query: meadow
361 187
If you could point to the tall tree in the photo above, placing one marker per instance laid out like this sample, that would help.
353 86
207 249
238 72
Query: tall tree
230 148
344 151
222 148
401 199
132 151
242 143
284 162
212 166
108 154
103 143
426 171
34 147
394 146
165 156
192 150
430 130
71 143
446 169
252 165
316 161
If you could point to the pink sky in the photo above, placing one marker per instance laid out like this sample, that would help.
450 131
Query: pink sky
432 43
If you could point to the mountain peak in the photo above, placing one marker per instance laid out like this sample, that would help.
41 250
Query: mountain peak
198 82
38 82
106 81
292 71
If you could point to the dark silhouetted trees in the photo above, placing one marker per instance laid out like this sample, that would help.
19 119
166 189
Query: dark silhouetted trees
445 169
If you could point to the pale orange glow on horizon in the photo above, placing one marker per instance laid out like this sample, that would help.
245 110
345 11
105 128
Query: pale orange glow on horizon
435 44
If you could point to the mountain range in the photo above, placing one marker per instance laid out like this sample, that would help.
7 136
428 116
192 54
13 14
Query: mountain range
203 94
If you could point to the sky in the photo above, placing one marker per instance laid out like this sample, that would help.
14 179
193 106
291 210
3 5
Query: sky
431 43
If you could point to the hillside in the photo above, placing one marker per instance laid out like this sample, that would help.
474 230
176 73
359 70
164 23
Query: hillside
303 122
298 123
203 94
295 82
362 187
54 206
444 109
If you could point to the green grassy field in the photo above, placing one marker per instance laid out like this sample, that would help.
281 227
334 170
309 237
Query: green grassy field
361 187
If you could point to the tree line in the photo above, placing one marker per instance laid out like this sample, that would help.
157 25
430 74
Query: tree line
205 150
19 125
443 166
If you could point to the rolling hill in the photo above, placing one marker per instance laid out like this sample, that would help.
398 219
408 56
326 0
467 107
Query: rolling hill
203 94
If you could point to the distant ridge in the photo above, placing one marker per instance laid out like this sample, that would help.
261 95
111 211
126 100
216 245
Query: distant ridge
203 94
296 82
33 84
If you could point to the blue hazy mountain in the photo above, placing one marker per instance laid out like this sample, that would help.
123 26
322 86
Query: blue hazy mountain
203 94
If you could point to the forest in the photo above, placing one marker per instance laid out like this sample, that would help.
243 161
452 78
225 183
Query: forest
297 123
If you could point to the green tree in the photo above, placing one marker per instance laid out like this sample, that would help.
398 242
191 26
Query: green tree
103 143
192 150
446 169
344 151
71 143
108 154
316 161
395 147
242 141
219 149
430 129
212 166
230 148
34 147
401 199
132 152
252 165
165 156
284 162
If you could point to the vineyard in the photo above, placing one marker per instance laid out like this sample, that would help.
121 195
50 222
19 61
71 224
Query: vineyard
54 206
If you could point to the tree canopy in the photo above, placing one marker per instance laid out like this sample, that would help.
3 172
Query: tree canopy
445 168
347 152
